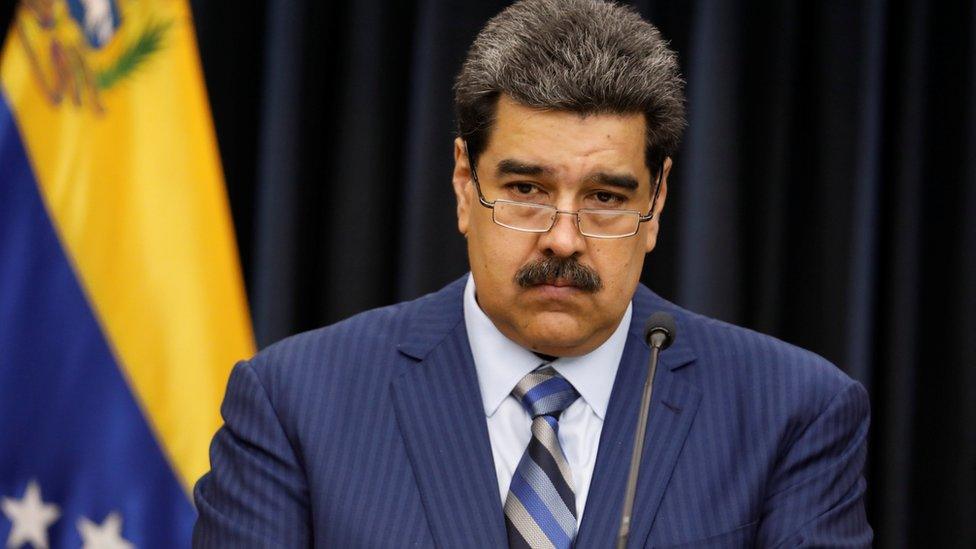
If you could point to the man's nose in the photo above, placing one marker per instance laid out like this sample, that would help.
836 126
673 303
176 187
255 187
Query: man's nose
564 238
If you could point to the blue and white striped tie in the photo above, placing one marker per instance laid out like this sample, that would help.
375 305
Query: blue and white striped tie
540 510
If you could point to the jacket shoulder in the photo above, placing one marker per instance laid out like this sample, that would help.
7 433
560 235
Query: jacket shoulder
731 358
748 349
375 327
350 354
371 332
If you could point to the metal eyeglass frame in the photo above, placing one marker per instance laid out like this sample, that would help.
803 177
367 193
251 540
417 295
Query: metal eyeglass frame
490 204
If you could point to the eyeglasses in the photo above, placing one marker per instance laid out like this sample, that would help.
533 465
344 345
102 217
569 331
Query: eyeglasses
540 218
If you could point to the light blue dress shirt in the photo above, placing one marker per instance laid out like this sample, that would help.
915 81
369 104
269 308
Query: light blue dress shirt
501 363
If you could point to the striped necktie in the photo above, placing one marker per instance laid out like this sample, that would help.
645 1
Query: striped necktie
540 509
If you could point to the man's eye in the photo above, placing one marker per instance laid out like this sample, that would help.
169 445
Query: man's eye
608 199
523 188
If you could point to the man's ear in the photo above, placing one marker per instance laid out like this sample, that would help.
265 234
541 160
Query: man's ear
662 194
461 180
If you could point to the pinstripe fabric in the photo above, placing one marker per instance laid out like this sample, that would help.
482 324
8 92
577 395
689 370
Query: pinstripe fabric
371 433
540 510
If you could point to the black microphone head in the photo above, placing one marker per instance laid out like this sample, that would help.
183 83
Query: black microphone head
660 330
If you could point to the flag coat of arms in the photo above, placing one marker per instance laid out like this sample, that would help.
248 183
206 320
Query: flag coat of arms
122 309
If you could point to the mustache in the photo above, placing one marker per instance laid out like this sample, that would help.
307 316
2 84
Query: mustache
548 270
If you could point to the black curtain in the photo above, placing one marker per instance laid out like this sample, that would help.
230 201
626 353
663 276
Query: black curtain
825 192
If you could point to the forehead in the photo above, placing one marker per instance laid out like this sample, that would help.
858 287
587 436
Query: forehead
566 140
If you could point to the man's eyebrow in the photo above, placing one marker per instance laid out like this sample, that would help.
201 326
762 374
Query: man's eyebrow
510 166
628 182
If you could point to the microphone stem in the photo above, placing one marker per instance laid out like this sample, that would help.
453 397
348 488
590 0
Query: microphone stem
635 457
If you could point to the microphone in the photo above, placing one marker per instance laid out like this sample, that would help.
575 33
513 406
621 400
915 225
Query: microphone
660 330
659 334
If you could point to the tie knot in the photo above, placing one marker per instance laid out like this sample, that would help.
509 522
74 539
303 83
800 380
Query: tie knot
543 392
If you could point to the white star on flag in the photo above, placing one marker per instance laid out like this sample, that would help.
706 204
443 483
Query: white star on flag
31 518
106 536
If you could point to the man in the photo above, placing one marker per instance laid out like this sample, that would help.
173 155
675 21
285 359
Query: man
500 411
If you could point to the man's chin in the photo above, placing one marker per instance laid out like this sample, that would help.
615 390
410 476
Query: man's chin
558 334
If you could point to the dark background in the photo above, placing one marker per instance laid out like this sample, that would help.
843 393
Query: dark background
825 192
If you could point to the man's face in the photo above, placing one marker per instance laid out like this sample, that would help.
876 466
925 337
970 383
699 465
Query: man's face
569 161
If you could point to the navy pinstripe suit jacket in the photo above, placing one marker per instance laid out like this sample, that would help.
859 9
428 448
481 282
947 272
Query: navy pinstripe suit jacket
371 433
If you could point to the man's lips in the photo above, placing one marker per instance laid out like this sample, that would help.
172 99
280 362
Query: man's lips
557 288
556 283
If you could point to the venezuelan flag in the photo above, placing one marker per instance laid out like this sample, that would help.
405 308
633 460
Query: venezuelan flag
121 303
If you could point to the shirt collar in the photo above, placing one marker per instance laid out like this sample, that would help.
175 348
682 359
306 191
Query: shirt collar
501 363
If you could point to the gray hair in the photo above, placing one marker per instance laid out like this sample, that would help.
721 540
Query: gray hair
583 56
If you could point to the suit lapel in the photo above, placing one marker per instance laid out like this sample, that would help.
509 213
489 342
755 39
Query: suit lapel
674 404
441 418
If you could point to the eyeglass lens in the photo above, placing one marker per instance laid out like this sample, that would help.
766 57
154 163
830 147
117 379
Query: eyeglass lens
540 218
